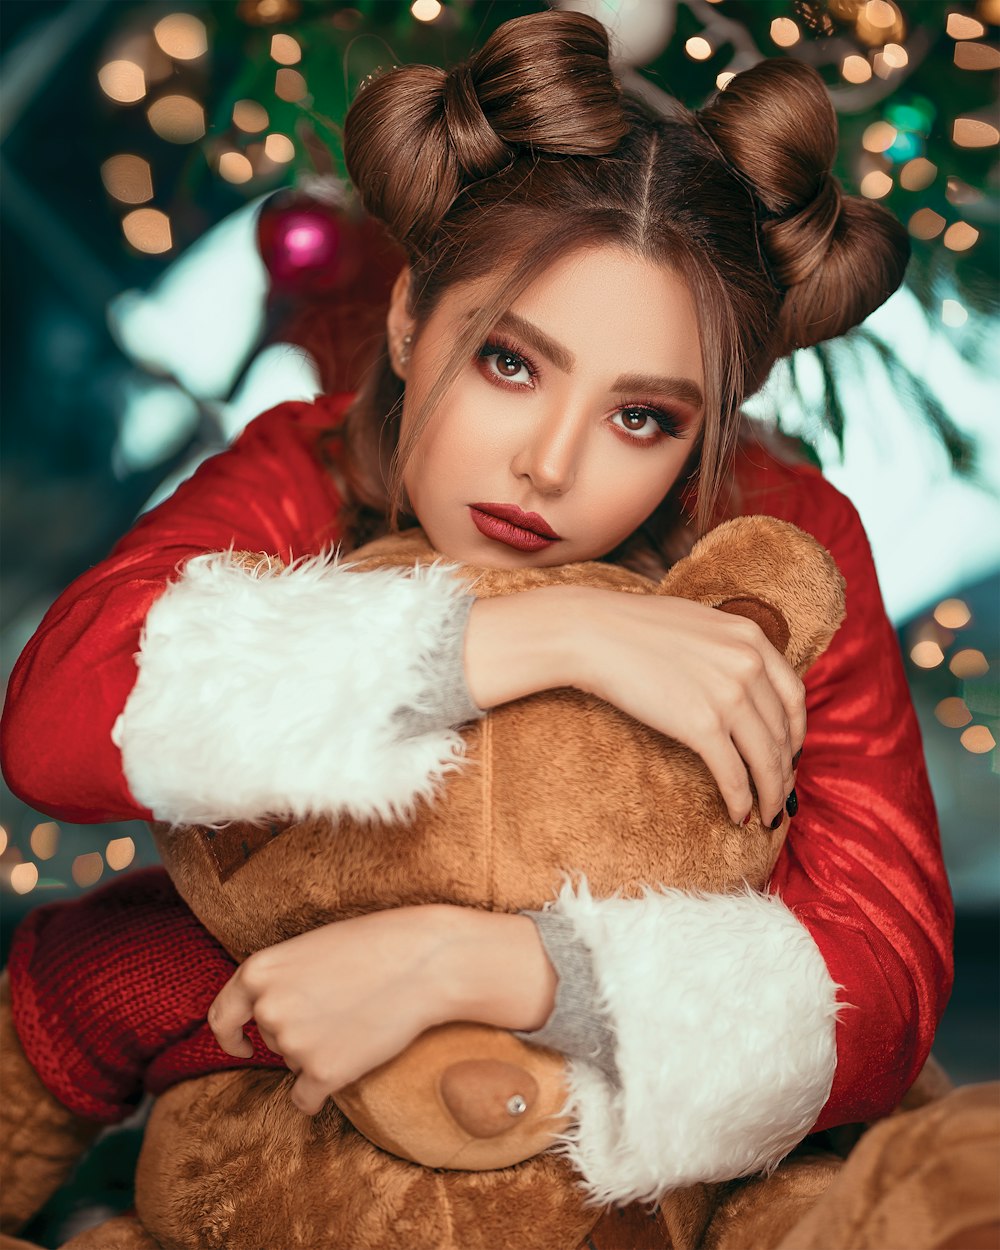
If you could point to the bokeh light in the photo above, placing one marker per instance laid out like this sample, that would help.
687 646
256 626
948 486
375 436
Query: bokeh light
44 840
250 116
953 713
977 56
784 32
285 50
235 167
953 313
969 663
119 853
952 613
88 868
926 654
148 230
978 740
23 878
698 48
177 118
128 179
426 10
960 26
122 81
290 86
971 132
960 236
875 184
926 224
279 148
917 174
879 137
182 36
855 69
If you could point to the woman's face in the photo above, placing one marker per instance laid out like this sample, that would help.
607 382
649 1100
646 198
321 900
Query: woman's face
581 408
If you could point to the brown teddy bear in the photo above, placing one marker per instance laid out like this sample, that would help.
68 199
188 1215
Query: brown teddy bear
448 1144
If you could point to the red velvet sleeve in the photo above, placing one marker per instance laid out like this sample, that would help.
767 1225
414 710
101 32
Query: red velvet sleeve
862 867
268 492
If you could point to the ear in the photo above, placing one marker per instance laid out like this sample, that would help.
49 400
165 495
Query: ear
398 322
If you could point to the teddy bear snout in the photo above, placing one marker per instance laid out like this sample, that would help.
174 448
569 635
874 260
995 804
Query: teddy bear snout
487 1097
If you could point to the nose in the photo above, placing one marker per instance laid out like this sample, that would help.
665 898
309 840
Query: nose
550 450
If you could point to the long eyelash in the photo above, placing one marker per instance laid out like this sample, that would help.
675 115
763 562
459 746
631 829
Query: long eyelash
669 423
497 347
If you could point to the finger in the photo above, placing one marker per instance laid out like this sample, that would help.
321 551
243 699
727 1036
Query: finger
309 1094
232 1008
790 690
763 757
768 706
726 765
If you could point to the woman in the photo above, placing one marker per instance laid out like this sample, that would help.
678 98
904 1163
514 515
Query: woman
591 292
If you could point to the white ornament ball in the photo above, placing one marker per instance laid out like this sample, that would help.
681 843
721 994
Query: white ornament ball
639 29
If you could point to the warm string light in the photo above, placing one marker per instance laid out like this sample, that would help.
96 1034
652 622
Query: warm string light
148 230
122 81
250 116
426 10
926 224
969 663
959 26
977 739
177 118
784 32
182 36
953 712
973 132
290 86
279 148
44 840
285 50
952 614
918 174
698 48
128 179
119 853
87 869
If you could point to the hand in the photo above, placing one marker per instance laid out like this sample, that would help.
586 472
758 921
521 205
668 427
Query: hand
339 1000
342 999
703 677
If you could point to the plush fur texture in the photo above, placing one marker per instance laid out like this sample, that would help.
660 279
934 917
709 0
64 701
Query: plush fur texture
228 652
702 1098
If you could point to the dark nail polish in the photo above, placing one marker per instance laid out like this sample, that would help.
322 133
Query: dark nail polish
796 757
746 819
777 821
792 803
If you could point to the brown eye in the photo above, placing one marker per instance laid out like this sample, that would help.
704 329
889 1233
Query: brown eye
508 365
635 418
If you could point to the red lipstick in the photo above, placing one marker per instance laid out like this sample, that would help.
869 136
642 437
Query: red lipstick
506 523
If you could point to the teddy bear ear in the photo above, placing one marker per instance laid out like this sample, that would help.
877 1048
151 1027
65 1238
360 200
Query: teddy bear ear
768 618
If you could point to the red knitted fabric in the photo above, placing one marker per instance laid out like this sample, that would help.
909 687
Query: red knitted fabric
110 995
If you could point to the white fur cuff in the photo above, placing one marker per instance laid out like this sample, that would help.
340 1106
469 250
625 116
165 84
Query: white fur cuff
725 1019
279 691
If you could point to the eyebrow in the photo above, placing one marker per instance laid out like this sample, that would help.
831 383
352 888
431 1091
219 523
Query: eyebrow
684 389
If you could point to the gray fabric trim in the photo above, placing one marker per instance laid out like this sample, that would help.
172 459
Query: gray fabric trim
577 1027
446 702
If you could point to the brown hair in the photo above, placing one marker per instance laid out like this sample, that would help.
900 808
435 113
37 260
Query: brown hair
530 150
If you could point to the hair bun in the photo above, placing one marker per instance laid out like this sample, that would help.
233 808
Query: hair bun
837 257
414 137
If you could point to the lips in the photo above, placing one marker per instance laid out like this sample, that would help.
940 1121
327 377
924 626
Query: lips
507 532
524 520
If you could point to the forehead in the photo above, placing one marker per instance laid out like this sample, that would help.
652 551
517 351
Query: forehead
600 298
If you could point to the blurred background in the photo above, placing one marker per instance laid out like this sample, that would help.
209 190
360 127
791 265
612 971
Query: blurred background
176 258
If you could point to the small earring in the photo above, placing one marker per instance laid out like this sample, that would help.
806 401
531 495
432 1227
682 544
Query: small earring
404 349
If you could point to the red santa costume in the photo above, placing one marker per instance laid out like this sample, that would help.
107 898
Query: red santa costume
741 1023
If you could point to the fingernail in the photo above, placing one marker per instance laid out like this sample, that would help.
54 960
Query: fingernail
746 819
792 803
777 821
796 757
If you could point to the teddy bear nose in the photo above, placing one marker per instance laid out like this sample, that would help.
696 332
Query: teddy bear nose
487 1097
